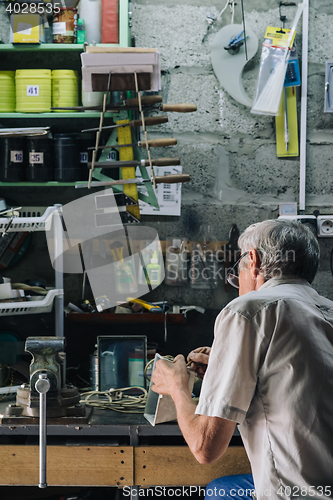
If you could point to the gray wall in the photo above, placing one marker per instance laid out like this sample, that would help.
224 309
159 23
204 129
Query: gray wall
222 143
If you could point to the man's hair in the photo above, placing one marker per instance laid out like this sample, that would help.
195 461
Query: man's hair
285 248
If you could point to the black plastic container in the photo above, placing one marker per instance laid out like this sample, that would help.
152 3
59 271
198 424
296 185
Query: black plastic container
12 159
67 158
40 159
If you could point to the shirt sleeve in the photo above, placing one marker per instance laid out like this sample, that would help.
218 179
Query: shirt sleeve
230 380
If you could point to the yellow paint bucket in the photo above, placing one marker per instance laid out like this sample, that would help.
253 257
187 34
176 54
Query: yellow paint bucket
33 90
65 90
7 91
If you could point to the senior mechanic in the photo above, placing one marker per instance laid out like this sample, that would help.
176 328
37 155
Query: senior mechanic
269 371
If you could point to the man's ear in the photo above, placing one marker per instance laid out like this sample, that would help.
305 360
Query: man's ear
254 262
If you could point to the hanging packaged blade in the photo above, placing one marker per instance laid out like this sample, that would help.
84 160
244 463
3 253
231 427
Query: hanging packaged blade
152 120
153 143
158 162
163 179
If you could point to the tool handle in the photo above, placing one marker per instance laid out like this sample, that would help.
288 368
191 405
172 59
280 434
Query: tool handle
150 120
42 386
161 162
149 99
172 179
158 143
179 108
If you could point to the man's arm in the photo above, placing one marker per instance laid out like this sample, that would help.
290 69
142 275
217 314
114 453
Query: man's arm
207 437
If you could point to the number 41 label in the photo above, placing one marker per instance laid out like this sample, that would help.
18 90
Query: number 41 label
33 90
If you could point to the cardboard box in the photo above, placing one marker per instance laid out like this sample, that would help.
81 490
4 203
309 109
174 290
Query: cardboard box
26 28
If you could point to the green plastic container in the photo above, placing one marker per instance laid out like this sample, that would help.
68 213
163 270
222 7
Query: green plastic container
64 88
33 90
7 91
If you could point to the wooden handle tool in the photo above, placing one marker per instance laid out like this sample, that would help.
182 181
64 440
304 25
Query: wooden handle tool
163 179
149 121
153 143
159 162
179 108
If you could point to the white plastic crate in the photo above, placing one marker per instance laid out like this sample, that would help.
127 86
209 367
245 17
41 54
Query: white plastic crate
30 307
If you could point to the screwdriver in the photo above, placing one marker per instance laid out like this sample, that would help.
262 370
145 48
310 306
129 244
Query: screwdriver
151 120
159 162
167 179
153 143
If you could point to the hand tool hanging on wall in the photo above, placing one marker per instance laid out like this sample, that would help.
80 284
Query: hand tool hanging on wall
152 143
168 179
158 162
177 108
152 120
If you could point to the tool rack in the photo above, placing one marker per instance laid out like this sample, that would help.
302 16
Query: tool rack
31 224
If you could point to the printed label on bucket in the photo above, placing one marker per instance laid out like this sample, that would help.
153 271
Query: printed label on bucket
16 156
36 157
84 157
32 90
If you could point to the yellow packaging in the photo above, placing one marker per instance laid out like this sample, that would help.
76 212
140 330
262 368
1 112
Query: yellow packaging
26 28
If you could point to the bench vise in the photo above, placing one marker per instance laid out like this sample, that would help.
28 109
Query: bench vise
49 363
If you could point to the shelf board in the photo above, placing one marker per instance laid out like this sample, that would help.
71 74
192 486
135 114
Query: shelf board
39 184
48 47
78 114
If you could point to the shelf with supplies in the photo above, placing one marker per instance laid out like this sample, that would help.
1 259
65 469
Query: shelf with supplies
49 220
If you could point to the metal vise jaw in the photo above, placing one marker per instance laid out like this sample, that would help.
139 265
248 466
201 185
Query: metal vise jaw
48 359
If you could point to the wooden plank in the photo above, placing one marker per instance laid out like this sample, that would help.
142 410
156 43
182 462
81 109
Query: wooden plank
176 466
68 465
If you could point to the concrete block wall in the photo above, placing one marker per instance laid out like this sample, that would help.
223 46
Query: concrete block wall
229 152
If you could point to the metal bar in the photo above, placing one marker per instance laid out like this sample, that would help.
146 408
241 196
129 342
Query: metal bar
304 97
42 386
59 276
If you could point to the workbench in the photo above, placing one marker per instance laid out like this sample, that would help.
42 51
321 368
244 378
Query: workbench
112 449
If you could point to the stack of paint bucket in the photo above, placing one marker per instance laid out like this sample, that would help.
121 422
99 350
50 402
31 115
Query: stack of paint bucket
64 88
7 91
33 90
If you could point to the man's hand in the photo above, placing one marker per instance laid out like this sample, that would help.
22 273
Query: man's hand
169 377
199 360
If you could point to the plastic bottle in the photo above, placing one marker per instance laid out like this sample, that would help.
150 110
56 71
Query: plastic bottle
154 270
204 260
81 32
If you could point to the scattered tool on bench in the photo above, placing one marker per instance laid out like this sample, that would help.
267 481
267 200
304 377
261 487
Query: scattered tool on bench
168 179
146 305
151 120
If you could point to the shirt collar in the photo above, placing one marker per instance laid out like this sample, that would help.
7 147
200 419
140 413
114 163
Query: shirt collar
285 280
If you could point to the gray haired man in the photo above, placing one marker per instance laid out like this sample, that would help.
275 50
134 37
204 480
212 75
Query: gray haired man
270 371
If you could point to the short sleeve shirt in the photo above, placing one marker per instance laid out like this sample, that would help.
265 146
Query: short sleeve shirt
271 371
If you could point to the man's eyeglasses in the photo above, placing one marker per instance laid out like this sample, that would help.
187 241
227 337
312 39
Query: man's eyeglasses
233 273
